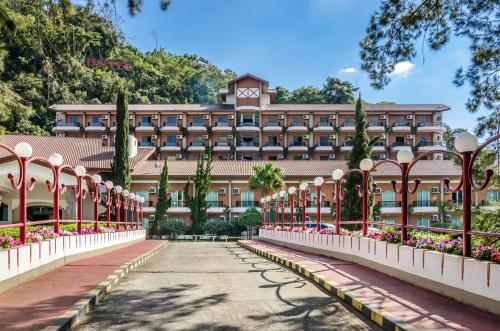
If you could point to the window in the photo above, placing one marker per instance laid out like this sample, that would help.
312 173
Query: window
348 141
324 158
213 199
197 141
456 221
313 199
4 212
348 121
400 141
388 199
423 120
272 158
423 199
373 121
389 220
422 221
423 141
171 121
297 157
247 119
297 141
400 120
297 120
146 141
145 195
247 199
177 198
73 119
248 93
272 120
324 141
96 119
492 195
198 120
222 120
171 141
222 141
272 141
146 120
323 120
456 197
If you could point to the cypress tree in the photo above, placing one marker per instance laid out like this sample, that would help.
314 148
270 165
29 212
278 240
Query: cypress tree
361 149
198 202
120 169
164 199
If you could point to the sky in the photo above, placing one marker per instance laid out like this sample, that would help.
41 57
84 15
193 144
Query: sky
294 43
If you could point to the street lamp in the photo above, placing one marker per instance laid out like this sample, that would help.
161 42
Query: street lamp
118 204
268 200
142 210
24 151
291 194
366 166
263 209
282 195
137 209
108 200
80 172
318 181
303 200
125 194
337 175
404 157
96 198
132 208
56 160
275 207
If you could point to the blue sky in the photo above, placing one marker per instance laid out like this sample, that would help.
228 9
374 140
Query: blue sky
294 43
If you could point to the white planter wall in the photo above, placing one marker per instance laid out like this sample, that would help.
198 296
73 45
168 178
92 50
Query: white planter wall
478 277
18 260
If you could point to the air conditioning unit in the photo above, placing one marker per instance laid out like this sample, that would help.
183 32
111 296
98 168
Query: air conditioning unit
178 156
376 218
155 117
206 117
332 117
230 116
281 117
236 190
154 137
179 136
152 189
332 137
383 117
383 156
282 137
306 117
104 136
435 189
378 190
435 218
230 136
104 117
305 156
281 156
409 117
331 156
205 136
179 117
305 137
409 136
130 117
222 190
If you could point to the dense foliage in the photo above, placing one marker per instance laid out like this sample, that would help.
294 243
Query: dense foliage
42 62
334 91
120 168
169 227
201 186
164 199
267 177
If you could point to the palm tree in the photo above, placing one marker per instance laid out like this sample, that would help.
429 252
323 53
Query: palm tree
267 177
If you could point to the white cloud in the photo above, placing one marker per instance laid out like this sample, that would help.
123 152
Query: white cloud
349 70
403 69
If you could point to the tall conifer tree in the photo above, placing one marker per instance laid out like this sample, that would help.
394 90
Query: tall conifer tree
164 199
120 167
201 185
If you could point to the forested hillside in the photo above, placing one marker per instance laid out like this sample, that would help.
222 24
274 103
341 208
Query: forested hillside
42 62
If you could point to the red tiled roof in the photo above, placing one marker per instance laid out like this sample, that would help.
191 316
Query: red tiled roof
152 108
75 151
303 169
350 107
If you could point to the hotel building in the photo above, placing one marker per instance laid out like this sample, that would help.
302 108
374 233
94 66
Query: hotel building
249 125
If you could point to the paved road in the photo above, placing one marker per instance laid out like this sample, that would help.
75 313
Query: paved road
219 286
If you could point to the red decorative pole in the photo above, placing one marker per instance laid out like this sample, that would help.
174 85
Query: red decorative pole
131 208
118 204
137 211
23 192
404 157
282 195
263 210
108 201
125 207
80 172
275 207
303 190
142 211
96 198
366 166
337 177
318 181
56 160
268 200
291 194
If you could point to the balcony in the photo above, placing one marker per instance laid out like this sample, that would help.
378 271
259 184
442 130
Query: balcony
215 207
389 207
430 127
248 127
170 147
221 147
170 127
95 127
222 127
348 127
298 127
145 127
272 147
424 206
246 204
323 127
272 126
248 147
196 127
397 146
346 147
375 127
178 207
196 146
70 127
324 148
436 145
298 147
401 127
379 148
323 204
146 144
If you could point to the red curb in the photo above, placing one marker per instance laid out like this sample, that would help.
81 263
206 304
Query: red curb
412 305
37 303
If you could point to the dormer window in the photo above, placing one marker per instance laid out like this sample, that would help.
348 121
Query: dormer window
248 93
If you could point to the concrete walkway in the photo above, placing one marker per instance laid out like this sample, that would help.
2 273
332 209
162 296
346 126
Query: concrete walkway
37 303
218 286
410 306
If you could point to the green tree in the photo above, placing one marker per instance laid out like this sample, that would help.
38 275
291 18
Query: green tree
120 170
164 200
338 91
307 94
361 149
282 95
250 217
267 177
201 186
396 31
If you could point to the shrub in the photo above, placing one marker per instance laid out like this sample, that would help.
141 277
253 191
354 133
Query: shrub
170 227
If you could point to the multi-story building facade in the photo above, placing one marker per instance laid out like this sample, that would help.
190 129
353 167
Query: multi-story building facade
249 125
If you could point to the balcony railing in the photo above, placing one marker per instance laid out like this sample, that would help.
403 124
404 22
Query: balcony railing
222 144
178 203
148 124
247 204
171 124
197 143
304 123
221 123
95 124
215 203
196 124
440 124
432 143
248 123
297 144
324 124
145 144
423 203
272 123
372 124
396 124
400 144
68 124
273 144
248 144
347 124
171 144
324 204
389 204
